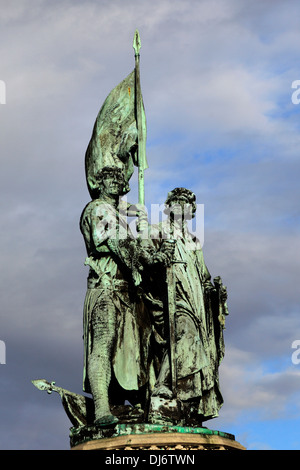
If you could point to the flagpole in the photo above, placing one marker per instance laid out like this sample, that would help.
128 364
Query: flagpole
140 119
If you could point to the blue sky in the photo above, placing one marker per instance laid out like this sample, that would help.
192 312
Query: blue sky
217 86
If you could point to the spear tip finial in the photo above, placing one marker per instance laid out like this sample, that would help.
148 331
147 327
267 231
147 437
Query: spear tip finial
136 42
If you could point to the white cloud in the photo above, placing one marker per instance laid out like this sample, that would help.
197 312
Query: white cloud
253 393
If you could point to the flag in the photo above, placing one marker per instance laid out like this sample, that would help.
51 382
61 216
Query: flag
114 141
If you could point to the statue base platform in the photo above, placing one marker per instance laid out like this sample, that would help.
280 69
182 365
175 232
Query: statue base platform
151 437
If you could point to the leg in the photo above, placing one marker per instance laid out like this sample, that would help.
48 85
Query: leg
99 365
162 386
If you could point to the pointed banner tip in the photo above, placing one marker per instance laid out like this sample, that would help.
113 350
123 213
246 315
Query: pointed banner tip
41 384
136 42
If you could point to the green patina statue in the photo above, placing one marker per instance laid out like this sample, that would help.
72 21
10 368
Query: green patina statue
153 320
192 321
113 338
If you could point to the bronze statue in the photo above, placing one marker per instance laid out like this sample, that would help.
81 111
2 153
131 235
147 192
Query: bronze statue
192 328
112 341
153 321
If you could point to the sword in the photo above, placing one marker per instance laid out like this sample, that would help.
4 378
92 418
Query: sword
171 288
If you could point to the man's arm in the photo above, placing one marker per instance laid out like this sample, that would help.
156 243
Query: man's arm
103 226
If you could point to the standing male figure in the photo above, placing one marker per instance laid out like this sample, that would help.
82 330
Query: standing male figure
198 325
113 347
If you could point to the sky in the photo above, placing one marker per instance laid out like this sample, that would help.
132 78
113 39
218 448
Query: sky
222 120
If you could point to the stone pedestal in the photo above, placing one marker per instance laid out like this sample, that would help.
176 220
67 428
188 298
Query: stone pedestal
151 437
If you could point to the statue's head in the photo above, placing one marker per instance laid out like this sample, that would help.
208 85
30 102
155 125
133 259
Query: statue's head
111 180
181 201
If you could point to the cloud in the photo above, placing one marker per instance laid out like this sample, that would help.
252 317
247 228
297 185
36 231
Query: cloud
254 391
216 80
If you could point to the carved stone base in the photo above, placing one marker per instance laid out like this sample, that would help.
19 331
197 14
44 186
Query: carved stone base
151 437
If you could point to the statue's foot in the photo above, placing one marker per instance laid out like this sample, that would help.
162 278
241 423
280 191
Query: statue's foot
162 391
106 420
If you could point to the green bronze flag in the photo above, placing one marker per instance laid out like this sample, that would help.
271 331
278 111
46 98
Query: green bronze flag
119 134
